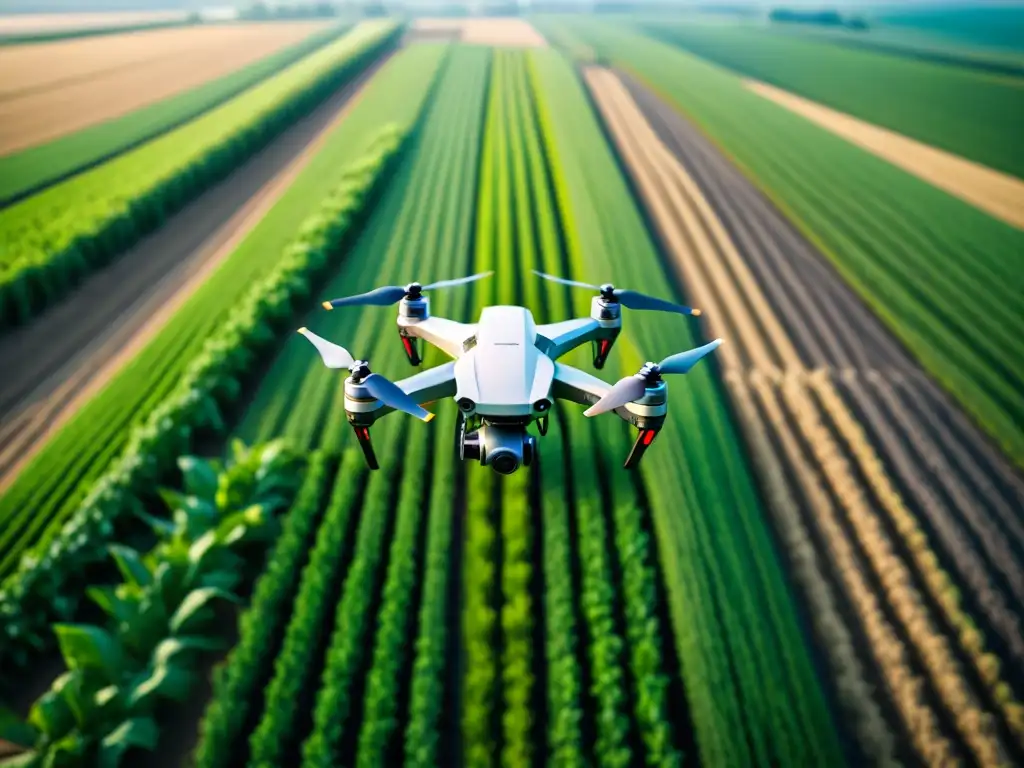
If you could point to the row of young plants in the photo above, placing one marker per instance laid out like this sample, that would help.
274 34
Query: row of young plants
29 171
56 481
424 743
36 593
54 239
162 618
716 556
238 682
479 661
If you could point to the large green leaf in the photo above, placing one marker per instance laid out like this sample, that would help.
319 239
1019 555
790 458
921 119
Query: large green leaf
69 751
139 732
88 647
15 730
116 607
130 564
51 715
200 477
191 611
171 670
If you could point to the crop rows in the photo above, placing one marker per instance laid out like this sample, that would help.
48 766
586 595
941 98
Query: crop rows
200 357
55 238
783 403
362 575
52 484
937 271
716 565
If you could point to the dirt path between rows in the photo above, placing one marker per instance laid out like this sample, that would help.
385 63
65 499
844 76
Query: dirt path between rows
998 194
844 465
69 354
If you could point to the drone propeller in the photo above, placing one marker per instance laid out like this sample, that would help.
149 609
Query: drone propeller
392 294
631 388
628 299
382 389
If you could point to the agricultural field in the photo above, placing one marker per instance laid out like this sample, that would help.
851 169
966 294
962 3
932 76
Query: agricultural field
974 114
817 562
67 105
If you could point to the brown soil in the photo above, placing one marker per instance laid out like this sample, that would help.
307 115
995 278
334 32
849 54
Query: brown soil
828 478
49 90
511 32
28 23
69 354
998 194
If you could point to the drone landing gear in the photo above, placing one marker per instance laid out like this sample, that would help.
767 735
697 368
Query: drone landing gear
363 435
601 348
640 446
542 425
411 344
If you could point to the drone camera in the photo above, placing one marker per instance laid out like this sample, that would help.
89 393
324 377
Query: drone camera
542 405
466 405
503 450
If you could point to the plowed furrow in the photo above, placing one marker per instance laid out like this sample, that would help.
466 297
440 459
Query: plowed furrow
713 269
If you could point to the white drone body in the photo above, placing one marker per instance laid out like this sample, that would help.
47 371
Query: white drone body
504 374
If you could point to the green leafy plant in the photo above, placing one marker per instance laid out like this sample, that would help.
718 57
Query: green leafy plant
161 616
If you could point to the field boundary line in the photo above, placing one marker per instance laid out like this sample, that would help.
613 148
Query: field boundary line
239 225
997 194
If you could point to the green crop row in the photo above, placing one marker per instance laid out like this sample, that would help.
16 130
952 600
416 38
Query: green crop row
941 274
297 663
479 698
515 243
238 682
919 99
27 172
426 696
57 480
551 303
52 240
718 563
209 383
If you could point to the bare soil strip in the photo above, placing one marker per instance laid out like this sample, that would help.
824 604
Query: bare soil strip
26 23
52 89
998 194
500 32
744 278
69 354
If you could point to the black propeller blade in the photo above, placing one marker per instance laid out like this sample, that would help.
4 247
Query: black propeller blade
631 388
392 294
386 391
627 298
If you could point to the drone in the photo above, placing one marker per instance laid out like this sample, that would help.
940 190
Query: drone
504 374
